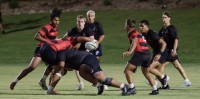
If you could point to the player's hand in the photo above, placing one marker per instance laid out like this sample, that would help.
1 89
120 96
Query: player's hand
173 53
49 42
125 54
157 57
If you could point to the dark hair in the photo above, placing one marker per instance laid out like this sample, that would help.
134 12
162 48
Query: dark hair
167 14
145 22
131 23
55 13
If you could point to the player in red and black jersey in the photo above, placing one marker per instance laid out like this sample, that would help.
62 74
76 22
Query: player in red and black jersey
159 50
45 35
141 57
80 30
170 35
97 30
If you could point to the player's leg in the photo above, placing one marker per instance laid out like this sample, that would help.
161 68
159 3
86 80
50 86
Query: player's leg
33 64
85 73
146 73
181 70
161 67
80 85
128 71
46 73
56 76
163 78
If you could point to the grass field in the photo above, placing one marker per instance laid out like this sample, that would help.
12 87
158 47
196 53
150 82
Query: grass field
29 88
18 44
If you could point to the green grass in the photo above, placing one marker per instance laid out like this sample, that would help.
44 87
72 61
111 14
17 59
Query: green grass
28 87
18 45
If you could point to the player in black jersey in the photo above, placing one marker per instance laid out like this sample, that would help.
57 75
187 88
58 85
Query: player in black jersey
170 35
80 30
159 49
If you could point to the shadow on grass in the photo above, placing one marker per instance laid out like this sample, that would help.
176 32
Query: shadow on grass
25 24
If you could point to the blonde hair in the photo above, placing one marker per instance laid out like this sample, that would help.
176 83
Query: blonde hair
80 17
90 12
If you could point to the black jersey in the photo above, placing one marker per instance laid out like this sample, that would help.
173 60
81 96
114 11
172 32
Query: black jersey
96 29
86 32
153 40
73 58
169 34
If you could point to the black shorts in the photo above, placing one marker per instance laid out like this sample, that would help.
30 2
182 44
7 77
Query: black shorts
98 51
140 59
48 55
163 57
37 52
171 58
93 63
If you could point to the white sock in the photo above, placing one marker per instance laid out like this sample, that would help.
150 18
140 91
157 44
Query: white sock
162 76
81 82
131 85
187 80
50 88
16 80
122 86
44 77
154 87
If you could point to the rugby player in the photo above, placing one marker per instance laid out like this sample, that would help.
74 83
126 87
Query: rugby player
45 35
170 35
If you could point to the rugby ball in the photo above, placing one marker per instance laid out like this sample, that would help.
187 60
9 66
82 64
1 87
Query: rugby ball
91 45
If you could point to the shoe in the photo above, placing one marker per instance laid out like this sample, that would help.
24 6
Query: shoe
156 82
131 91
186 83
42 83
154 92
100 89
165 87
165 80
80 86
125 90
105 87
12 85
52 92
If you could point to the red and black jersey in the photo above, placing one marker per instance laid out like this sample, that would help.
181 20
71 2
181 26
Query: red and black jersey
142 45
63 44
49 32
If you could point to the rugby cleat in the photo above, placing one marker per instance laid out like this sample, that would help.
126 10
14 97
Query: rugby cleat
125 90
100 89
51 92
12 85
186 83
165 87
42 83
131 91
154 92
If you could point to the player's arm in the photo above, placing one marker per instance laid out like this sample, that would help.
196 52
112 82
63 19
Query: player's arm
132 47
162 49
175 47
38 37
101 38
81 39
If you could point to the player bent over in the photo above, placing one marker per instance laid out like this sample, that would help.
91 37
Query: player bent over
78 60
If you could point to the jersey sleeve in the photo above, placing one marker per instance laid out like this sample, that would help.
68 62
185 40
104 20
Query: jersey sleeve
69 33
174 33
160 33
155 36
100 29
43 31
